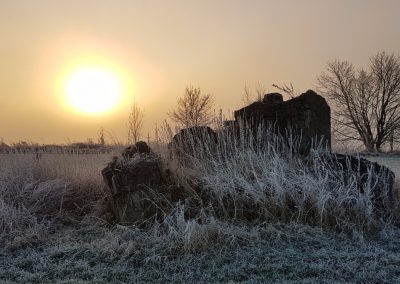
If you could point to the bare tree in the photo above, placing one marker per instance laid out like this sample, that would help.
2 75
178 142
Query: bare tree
135 123
101 137
194 109
366 104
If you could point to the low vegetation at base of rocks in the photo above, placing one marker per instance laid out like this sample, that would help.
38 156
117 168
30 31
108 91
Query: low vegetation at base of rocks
251 175
245 214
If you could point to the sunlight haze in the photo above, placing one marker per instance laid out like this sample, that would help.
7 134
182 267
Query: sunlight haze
93 90
52 52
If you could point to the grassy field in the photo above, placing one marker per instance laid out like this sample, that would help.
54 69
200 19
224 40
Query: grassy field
54 229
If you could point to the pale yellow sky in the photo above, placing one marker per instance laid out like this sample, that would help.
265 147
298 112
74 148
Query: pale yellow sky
159 47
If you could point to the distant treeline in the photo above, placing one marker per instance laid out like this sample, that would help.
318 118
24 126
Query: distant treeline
79 148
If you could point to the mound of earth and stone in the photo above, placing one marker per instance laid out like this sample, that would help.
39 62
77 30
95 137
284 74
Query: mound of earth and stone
369 176
141 188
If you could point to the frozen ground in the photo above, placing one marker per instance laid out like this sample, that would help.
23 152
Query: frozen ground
276 254
33 250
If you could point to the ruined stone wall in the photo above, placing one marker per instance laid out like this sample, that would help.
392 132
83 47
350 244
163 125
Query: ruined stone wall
308 114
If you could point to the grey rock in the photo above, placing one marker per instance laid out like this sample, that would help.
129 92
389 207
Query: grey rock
307 115
366 174
139 147
273 98
139 189
193 140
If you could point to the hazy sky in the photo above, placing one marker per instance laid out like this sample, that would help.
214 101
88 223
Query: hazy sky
162 46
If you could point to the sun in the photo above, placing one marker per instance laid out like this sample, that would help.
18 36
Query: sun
93 90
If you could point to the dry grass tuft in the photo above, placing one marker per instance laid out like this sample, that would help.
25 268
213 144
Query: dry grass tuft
36 194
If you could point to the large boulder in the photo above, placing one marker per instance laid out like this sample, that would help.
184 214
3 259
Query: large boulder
138 187
273 98
366 175
307 115
140 147
193 141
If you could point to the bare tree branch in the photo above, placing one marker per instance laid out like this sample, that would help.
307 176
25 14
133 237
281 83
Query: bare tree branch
287 89
194 109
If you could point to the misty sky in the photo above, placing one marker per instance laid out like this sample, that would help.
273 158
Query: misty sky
162 46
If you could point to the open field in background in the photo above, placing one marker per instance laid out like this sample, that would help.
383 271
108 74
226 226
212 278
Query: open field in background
388 160
44 241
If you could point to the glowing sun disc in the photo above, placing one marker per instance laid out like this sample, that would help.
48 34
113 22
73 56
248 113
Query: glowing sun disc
93 90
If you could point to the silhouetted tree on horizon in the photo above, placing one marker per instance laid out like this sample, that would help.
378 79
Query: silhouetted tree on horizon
194 109
365 103
135 123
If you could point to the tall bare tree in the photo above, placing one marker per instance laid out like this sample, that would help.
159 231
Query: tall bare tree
135 123
366 104
194 109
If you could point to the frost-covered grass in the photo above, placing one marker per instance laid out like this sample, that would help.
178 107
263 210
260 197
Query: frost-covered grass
37 193
259 175
265 254
55 227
